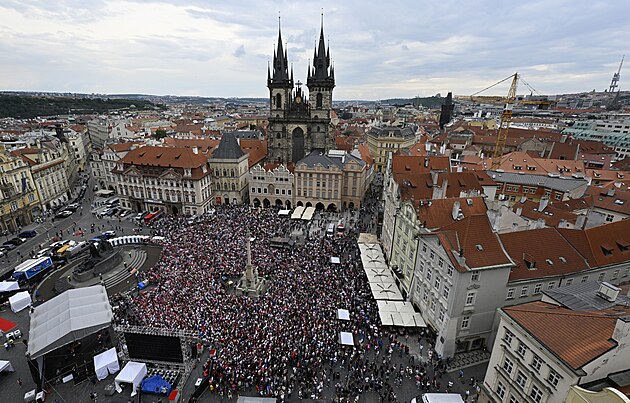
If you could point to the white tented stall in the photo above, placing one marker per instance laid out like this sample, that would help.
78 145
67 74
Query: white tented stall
6 366
20 301
9 286
133 373
343 314
297 213
106 363
346 339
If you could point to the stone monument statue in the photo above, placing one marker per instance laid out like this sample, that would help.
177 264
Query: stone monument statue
250 284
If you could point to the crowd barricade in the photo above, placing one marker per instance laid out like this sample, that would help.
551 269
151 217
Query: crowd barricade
129 239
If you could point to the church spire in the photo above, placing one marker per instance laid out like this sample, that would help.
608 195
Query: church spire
321 71
280 62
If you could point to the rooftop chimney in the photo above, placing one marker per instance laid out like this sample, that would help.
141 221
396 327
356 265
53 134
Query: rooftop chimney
608 292
542 205
455 212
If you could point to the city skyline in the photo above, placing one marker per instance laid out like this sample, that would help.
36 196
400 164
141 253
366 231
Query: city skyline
402 50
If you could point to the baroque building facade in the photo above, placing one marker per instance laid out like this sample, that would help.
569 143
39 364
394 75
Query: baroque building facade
298 122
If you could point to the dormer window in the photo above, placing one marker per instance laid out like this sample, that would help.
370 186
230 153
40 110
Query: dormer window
119 167
187 172
607 250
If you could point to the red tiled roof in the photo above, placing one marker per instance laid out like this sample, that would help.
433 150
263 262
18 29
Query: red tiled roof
419 164
171 157
602 245
365 154
205 145
610 199
538 252
257 150
551 214
473 236
555 328
439 213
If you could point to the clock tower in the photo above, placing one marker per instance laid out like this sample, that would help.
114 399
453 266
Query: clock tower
298 122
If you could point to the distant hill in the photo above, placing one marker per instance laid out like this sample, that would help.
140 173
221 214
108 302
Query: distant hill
25 107
427 102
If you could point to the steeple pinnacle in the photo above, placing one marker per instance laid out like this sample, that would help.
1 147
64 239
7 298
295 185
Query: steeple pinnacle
280 74
321 72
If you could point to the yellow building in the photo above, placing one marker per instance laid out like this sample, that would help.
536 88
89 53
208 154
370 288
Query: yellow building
383 140
19 202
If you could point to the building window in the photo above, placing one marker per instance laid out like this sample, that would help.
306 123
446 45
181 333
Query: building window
445 291
437 283
513 399
521 379
441 262
429 274
507 337
536 394
424 247
449 271
431 255
551 285
600 278
522 349
500 390
524 291
470 297
465 322
475 277
536 363
508 365
610 217
569 281
537 288
553 377
584 279
615 275
510 293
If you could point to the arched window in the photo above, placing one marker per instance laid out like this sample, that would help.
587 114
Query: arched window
278 135
320 100
278 101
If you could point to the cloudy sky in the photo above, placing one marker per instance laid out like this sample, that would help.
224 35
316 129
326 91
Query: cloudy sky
381 49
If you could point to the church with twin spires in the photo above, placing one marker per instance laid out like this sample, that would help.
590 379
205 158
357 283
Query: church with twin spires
299 118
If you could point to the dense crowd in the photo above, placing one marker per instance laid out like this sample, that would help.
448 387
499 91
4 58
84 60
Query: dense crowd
284 343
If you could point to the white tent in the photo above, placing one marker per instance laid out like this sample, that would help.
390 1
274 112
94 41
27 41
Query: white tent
6 366
297 213
346 338
308 214
68 317
335 260
284 213
20 301
386 291
133 373
343 314
106 363
9 286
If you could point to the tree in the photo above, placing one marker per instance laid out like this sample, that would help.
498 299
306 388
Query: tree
159 134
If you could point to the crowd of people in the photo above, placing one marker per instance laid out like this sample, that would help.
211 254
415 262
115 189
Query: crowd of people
284 343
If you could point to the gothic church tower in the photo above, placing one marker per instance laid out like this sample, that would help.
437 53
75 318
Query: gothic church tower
300 123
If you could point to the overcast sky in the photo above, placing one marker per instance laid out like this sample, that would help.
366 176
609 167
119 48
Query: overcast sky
381 49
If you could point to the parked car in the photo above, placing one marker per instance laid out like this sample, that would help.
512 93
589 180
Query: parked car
63 214
124 213
44 252
30 233
108 234
17 240
78 233
8 245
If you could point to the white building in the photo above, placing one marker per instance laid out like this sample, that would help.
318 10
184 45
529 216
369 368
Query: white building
545 348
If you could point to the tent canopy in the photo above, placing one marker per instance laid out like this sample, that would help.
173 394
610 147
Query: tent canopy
106 363
9 286
346 338
343 314
69 316
133 373
20 301
6 366
157 385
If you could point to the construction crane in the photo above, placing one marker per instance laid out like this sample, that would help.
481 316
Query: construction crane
615 79
504 126
506 115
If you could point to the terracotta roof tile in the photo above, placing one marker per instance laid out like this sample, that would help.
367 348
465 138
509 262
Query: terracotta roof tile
602 245
551 214
480 246
555 328
172 157
439 213
419 164
540 253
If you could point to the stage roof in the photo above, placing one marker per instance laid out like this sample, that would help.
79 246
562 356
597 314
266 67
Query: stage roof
68 317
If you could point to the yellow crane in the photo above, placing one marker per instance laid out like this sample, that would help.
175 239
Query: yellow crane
506 117
504 126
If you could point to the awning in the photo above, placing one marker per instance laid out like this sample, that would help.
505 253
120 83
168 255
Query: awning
346 339
343 314
9 286
6 366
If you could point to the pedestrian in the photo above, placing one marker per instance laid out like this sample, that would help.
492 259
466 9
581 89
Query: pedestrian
461 373
19 382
